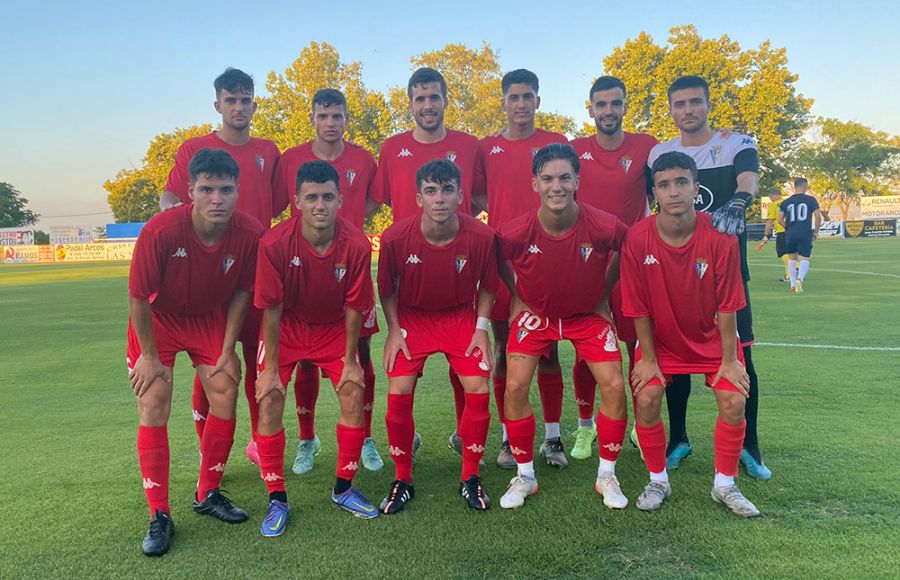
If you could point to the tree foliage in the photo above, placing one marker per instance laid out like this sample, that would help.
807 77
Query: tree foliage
14 212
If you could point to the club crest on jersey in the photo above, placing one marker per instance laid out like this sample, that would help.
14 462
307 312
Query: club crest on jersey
714 153
227 263
260 162
339 271
625 162
460 263
351 175
451 156
521 334
700 267
585 251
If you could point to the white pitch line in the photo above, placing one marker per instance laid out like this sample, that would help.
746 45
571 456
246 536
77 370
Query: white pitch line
829 346
837 271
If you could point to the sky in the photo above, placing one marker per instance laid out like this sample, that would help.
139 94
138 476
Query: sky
88 84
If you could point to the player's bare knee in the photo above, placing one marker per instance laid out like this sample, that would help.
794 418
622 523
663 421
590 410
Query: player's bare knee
153 409
731 406
350 396
648 404
271 406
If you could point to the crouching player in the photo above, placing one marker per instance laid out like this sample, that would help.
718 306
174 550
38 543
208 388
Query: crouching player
313 283
555 265
189 287
682 284
431 268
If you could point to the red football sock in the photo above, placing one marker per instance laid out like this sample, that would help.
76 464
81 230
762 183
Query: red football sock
499 395
459 397
521 438
610 435
369 396
271 460
153 456
473 429
200 406
306 393
250 350
400 431
350 442
728 441
653 444
551 387
585 390
218 437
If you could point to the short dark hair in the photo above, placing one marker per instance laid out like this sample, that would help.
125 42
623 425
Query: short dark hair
520 76
801 182
317 172
688 82
553 152
424 76
438 171
673 160
773 192
329 97
233 80
217 162
605 83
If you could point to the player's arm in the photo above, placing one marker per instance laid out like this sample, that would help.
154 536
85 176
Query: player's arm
730 218
612 276
781 220
480 338
269 380
228 362
817 215
352 371
372 206
168 200
647 368
508 277
395 342
175 191
731 369
148 367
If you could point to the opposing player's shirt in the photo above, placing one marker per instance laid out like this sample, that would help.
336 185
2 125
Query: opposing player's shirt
565 276
256 158
312 288
429 277
178 275
798 210
772 214
356 170
507 170
402 156
719 161
616 181
681 290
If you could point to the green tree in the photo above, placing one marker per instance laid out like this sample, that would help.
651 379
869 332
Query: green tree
41 238
14 212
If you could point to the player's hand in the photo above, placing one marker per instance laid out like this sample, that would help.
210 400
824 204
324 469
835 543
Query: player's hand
730 218
644 371
725 133
481 341
146 370
735 373
394 344
352 373
604 312
228 364
762 243
269 382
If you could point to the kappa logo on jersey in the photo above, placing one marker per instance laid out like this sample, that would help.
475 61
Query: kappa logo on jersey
451 156
220 467
271 477
413 259
227 263
704 199
150 484
714 153
351 466
295 261
476 448
303 411
613 447
625 162
351 175
700 267
404 153
611 344
396 451
587 156
180 253
585 251
533 249
460 263
521 334
339 271
496 149
746 141
650 259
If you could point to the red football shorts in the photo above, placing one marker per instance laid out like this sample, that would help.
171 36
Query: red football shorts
624 325
592 336
502 301
448 332
323 345
671 366
200 336
369 323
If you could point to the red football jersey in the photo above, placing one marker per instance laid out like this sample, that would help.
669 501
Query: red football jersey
507 169
355 168
401 156
616 181
257 160
681 289
310 287
179 275
561 277
437 277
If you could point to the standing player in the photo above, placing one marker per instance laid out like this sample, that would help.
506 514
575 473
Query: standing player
257 159
613 178
431 270
556 262
728 168
686 327
507 166
401 157
356 169
776 230
796 217
188 291
313 284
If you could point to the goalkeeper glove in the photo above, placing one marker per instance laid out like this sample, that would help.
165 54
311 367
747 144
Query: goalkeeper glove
729 219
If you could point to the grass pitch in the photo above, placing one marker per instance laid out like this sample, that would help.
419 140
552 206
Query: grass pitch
73 505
